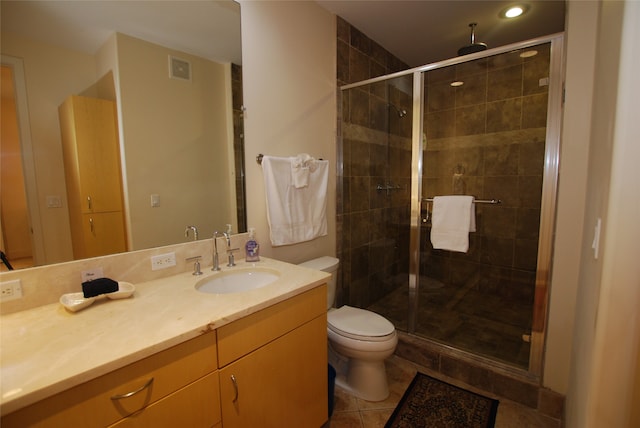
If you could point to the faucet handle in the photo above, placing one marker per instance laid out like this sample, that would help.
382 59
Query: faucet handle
232 261
196 265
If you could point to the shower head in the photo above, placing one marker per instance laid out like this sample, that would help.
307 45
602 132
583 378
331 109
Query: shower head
473 47
400 112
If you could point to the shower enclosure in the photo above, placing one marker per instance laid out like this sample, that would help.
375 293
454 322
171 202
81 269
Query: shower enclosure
485 125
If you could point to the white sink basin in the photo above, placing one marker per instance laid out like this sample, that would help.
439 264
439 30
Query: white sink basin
237 280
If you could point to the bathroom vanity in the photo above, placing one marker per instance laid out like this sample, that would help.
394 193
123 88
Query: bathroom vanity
173 356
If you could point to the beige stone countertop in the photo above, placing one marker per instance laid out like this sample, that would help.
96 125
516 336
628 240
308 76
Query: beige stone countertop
49 349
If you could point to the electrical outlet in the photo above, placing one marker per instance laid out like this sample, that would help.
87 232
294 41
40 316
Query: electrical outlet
11 290
163 261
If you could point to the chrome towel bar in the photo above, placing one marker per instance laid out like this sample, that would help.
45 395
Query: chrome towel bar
260 156
477 201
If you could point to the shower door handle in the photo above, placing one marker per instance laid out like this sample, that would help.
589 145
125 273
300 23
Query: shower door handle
425 216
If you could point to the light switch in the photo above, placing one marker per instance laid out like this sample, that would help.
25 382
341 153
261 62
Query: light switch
155 200
54 201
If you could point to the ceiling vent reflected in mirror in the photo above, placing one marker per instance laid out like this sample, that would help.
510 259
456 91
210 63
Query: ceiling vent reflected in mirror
179 68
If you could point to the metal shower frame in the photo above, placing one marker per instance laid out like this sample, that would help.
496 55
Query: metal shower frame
549 188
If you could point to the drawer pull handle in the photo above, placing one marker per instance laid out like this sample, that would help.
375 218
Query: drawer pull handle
132 393
235 387
89 204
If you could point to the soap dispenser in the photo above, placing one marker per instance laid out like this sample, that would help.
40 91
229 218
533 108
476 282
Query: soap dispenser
252 248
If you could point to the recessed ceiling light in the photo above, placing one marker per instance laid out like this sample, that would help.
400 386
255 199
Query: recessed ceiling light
513 11
457 83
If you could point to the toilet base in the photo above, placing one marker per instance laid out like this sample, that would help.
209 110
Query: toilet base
364 379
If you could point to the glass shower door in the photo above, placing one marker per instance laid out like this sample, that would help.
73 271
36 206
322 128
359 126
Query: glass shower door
376 186
484 128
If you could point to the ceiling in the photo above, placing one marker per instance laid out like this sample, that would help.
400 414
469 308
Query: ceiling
421 32
209 29
418 32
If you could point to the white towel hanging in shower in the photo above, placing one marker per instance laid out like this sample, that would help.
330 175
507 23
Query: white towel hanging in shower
452 219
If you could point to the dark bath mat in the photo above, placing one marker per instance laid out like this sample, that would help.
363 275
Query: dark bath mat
429 402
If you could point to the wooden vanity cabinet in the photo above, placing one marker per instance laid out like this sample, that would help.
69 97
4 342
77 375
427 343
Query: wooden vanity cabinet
273 365
91 154
268 369
179 384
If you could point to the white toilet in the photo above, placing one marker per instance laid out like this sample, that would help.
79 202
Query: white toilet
359 341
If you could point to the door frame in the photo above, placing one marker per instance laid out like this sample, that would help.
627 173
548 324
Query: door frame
28 161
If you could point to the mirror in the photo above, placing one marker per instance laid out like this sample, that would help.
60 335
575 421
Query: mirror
180 137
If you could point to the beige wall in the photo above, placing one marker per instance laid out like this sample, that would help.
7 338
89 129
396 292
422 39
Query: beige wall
580 64
176 144
289 75
607 336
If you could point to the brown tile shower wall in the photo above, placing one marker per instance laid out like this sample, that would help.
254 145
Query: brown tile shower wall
487 138
374 148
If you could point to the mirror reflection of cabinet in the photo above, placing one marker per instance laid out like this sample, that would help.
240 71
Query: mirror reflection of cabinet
93 176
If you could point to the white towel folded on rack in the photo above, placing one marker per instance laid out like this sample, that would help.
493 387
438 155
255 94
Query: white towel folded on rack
301 166
452 219
295 214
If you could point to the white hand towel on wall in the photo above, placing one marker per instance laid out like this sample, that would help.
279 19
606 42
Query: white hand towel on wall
295 214
301 166
452 219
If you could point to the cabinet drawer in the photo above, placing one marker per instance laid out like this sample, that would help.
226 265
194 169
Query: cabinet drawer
90 404
195 405
249 333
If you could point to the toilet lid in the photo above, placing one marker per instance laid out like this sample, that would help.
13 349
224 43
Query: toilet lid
358 322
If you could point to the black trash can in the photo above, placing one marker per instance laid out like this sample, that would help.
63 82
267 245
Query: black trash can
332 384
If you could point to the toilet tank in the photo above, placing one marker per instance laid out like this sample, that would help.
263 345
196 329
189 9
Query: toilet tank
330 265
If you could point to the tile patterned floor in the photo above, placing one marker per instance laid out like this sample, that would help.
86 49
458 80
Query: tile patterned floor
352 412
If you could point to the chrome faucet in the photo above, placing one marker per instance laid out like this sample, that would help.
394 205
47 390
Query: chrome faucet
195 232
216 262
230 250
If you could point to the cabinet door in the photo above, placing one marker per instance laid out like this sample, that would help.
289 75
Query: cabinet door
281 384
98 154
103 234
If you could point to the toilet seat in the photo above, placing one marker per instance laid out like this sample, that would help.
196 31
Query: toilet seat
360 324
